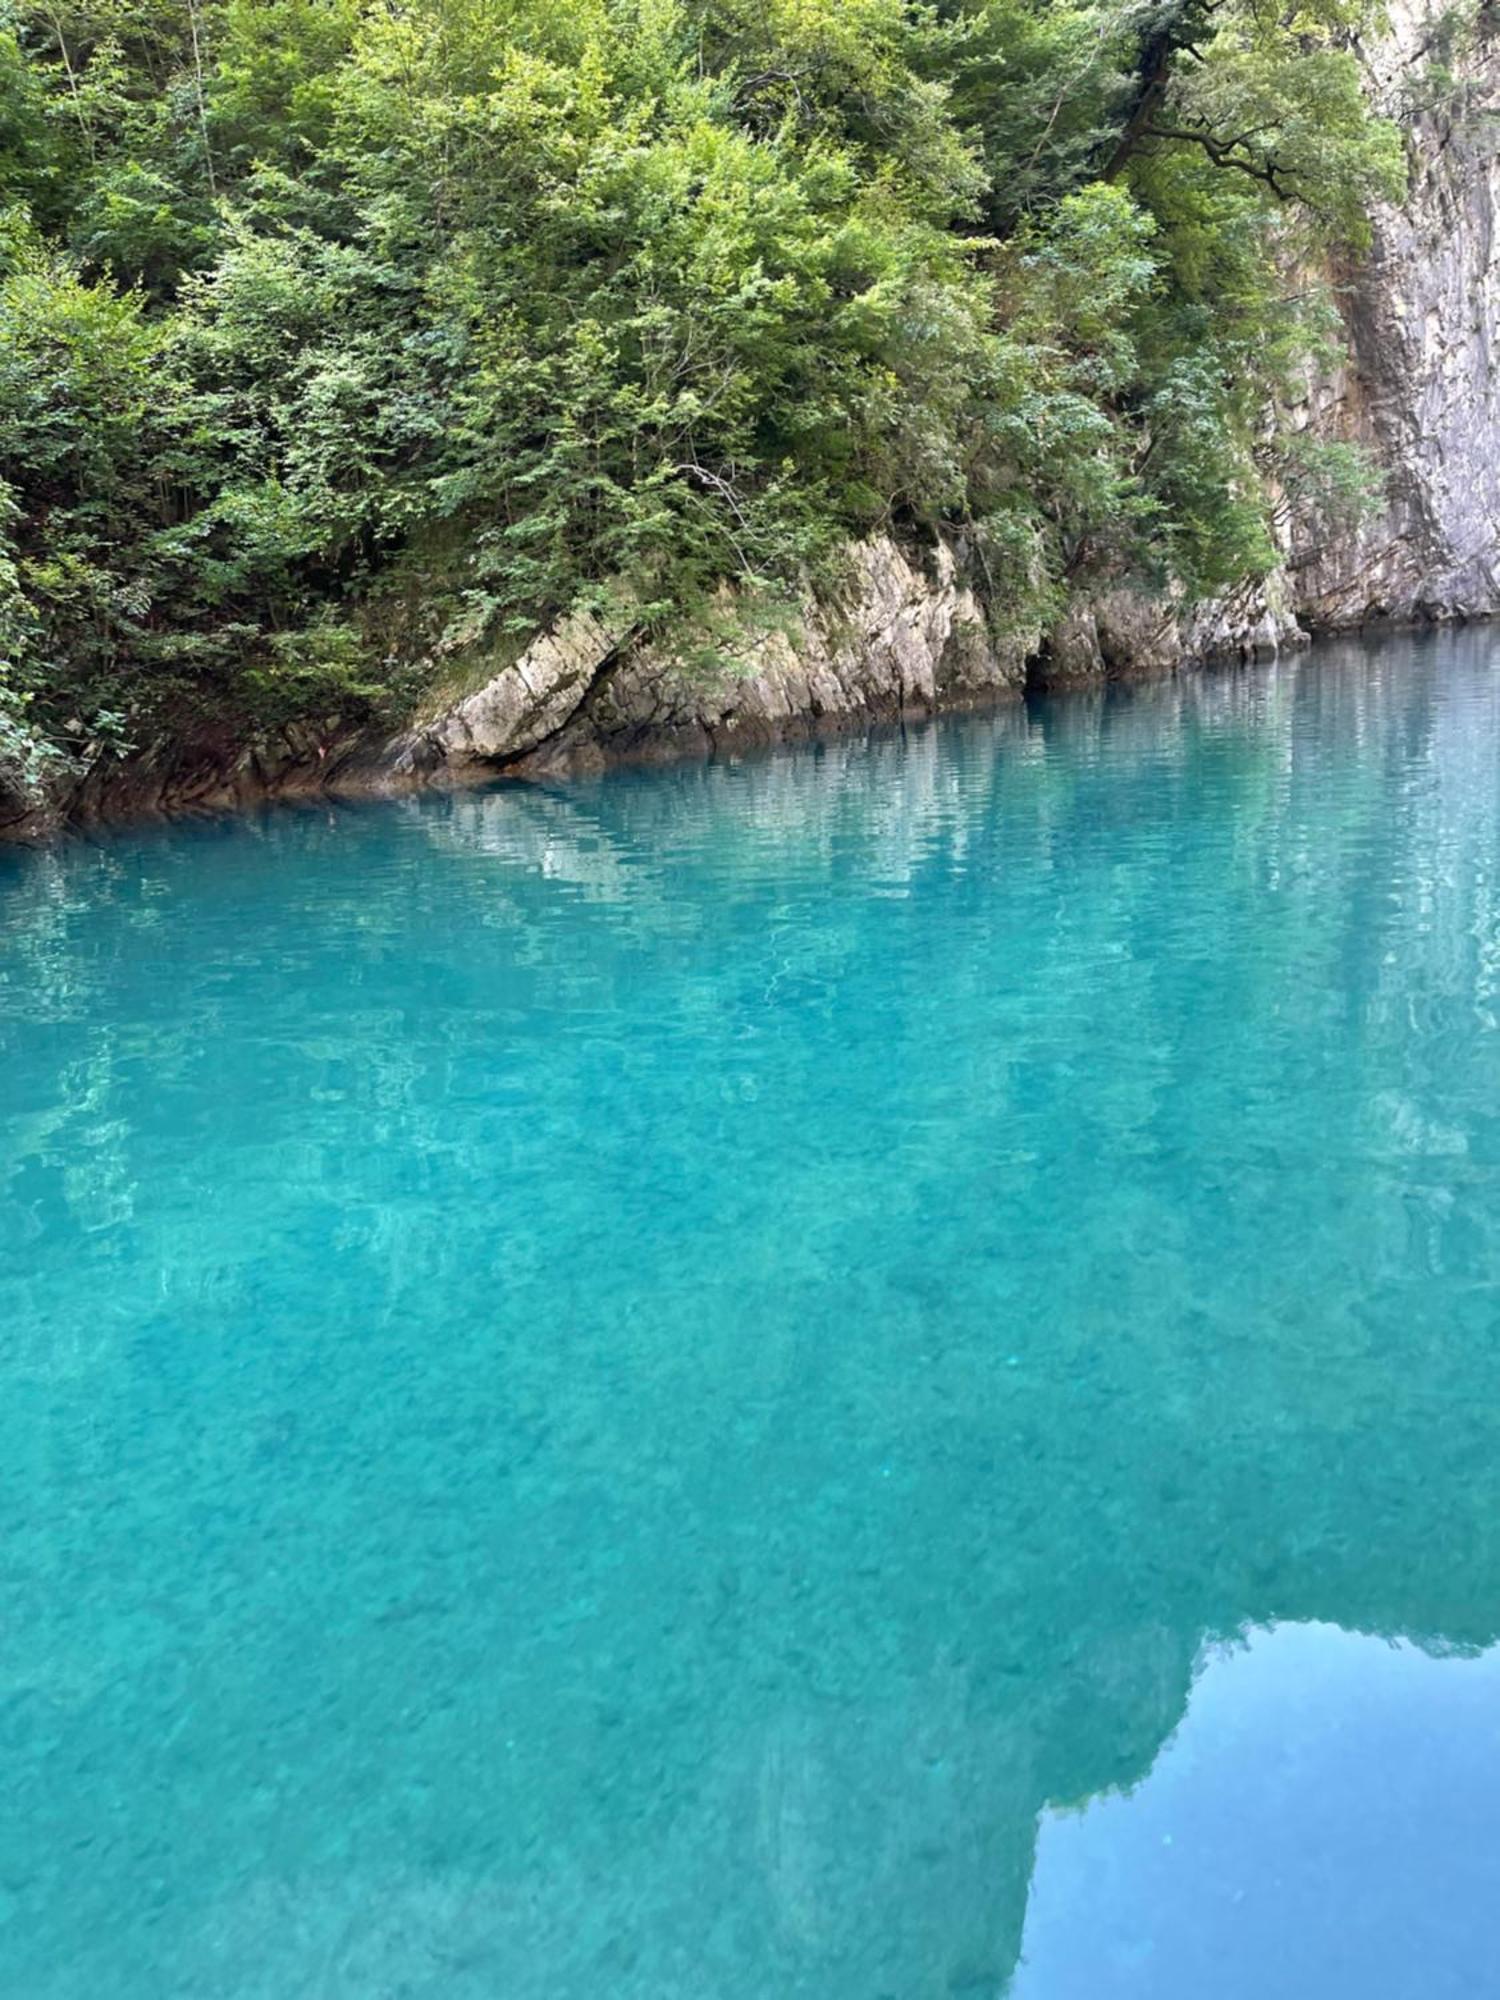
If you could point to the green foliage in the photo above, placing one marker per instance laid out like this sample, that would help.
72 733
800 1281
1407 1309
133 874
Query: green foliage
1452 82
26 757
1280 103
331 330
1330 477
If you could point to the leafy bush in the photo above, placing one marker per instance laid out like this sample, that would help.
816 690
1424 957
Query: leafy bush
330 329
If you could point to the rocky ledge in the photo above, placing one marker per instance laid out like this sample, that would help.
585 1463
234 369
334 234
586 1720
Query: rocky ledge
907 635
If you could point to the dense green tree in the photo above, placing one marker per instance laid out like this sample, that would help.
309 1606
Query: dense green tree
335 334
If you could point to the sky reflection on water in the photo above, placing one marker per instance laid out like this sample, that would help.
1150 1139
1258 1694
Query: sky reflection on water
1322 1823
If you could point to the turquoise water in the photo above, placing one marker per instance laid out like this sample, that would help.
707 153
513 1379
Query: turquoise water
865 1374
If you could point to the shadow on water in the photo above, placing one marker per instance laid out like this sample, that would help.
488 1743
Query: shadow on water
627 1391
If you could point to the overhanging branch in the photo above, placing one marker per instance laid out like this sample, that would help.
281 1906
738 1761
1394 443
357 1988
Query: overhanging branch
1262 167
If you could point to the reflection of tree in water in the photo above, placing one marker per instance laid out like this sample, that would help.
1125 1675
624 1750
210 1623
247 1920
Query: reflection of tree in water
996 1313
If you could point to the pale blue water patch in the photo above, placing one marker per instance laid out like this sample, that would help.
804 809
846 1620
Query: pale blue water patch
627 1391
1322 1822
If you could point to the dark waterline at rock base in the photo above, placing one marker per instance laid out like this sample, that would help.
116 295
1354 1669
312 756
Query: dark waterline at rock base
220 777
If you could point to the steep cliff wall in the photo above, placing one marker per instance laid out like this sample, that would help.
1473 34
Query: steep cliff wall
1418 392
1421 391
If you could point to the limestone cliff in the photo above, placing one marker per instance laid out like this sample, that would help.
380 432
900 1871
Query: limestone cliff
907 633
1422 314
1418 392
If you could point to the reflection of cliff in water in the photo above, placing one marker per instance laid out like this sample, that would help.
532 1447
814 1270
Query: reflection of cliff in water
779 1667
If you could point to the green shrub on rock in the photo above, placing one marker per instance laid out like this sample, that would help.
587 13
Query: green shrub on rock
331 329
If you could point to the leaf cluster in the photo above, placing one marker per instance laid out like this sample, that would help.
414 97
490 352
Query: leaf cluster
334 330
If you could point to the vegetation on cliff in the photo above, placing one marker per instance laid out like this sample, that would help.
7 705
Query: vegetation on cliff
337 334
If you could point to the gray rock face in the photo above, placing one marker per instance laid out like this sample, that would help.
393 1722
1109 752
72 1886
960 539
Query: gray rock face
531 700
906 636
1422 390
1123 633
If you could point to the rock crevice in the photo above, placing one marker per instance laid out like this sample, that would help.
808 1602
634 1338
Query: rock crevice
907 635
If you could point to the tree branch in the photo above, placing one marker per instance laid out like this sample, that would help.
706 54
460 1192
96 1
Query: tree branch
1226 153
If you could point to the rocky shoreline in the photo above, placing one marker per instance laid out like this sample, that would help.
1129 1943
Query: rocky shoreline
909 638
921 662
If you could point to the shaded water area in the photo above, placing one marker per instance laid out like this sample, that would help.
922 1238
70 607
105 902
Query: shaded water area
867 1374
